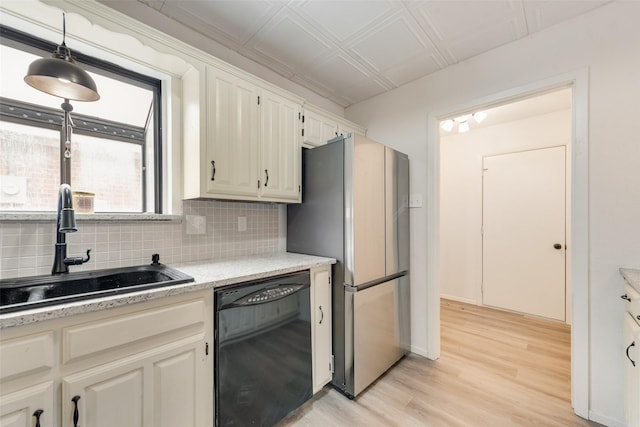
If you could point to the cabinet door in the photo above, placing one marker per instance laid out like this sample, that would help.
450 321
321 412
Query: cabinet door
17 409
170 386
347 128
110 395
231 162
322 343
177 391
280 150
631 372
318 129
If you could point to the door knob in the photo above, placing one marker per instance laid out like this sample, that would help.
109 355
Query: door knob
557 246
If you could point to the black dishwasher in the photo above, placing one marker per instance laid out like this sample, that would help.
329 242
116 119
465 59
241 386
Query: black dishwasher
263 350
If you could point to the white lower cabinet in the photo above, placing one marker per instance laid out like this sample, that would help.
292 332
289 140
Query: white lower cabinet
105 396
321 330
146 364
632 370
156 389
631 355
24 408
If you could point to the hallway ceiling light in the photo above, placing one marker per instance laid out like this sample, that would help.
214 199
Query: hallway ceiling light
462 122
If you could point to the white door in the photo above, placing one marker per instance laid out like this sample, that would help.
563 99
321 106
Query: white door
523 244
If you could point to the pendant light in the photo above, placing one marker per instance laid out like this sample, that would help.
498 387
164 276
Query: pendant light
60 76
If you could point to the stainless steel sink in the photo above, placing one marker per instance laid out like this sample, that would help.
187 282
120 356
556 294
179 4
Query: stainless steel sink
41 291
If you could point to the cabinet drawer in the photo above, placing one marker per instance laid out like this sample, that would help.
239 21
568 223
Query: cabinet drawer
92 338
26 355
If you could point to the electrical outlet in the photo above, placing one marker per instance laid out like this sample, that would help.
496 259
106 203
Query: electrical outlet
242 223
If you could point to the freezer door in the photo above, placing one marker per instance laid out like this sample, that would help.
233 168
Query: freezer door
397 211
366 211
378 316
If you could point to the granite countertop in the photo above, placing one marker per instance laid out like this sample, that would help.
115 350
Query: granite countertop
207 275
632 276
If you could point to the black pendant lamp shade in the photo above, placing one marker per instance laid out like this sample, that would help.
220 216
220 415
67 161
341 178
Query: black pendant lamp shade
60 76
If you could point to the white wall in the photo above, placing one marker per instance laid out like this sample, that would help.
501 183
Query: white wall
461 192
607 41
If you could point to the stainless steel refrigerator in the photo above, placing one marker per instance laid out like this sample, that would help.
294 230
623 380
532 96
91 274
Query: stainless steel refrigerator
355 208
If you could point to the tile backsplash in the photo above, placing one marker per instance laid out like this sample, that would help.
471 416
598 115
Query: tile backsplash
26 248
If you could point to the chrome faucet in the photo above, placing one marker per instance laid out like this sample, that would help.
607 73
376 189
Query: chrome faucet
66 223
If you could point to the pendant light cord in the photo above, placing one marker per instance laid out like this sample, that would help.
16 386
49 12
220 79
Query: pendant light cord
64 29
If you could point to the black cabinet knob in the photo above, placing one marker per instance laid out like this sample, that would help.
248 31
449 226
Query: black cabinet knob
37 414
557 246
76 415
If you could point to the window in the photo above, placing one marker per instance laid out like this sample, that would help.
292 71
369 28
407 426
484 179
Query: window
116 147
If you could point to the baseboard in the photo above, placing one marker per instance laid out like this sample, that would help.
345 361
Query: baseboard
459 299
419 351
605 420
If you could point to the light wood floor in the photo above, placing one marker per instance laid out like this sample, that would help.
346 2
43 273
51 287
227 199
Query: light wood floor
496 369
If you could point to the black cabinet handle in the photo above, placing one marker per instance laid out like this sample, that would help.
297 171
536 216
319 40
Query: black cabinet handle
266 172
37 414
321 316
76 415
629 348
557 246
625 296
213 170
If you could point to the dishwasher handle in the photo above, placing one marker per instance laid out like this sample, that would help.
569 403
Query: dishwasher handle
266 295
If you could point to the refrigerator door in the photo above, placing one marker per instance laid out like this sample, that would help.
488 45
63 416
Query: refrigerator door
396 211
364 210
378 313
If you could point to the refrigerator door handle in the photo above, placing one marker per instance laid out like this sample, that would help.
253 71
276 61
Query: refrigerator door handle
376 282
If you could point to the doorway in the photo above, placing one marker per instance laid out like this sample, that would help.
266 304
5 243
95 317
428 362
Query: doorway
578 238
526 125
460 264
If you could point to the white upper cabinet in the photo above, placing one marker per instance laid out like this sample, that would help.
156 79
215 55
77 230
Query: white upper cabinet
345 128
280 153
251 144
232 135
318 129
320 126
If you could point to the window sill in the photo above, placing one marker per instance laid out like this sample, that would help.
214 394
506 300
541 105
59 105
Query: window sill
97 217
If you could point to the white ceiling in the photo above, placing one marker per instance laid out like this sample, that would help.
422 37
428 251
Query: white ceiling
351 50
